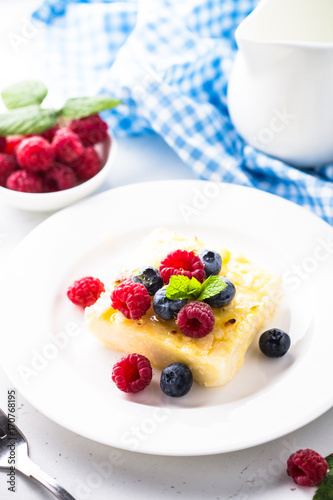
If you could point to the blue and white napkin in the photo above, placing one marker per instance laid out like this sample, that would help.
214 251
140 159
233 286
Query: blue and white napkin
169 62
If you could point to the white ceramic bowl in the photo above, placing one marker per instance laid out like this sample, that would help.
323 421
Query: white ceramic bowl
40 202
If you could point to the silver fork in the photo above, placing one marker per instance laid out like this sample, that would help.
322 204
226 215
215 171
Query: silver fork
12 439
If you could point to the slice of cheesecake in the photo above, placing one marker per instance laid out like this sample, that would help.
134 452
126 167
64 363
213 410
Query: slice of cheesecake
213 359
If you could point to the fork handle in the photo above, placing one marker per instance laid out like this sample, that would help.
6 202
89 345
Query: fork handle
36 473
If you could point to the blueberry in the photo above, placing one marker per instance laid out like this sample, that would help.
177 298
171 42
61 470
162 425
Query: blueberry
274 343
166 308
176 380
224 297
212 262
149 277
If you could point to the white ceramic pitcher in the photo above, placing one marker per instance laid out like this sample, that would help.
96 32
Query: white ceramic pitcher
280 93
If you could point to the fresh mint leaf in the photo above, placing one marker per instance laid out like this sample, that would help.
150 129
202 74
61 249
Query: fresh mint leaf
182 287
27 120
329 461
211 286
194 287
23 94
325 489
79 107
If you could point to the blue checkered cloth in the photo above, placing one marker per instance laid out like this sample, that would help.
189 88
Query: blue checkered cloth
169 62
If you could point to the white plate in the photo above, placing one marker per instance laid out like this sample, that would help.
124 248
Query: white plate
65 372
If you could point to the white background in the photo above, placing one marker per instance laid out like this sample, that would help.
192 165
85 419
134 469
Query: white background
97 472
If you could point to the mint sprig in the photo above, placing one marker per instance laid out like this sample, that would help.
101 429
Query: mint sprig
329 461
23 94
182 287
25 115
78 107
27 120
211 286
325 489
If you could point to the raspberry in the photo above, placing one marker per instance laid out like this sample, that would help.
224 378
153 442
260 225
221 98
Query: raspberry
35 154
182 262
8 165
86 291
91 129
24 181
88 166
50 133
196 320
132 299
307 467
132 373
3 143
59 177
67 145
12 142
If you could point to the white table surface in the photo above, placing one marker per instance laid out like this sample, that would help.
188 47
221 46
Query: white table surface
96 472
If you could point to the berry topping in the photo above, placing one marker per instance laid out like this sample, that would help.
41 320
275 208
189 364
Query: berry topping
12 142
224 297
3 143
212 262
25 181
307 467
8 165
184 263
167 308
88 165
149 277
196 320
132 373
35 154
131 299
274 343
91 129
176 380
59 177
86 291
67 145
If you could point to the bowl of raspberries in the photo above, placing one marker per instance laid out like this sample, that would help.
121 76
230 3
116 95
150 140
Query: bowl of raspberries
57 167
50 158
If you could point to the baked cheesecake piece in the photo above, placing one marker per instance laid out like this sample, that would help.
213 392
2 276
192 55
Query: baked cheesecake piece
213 359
